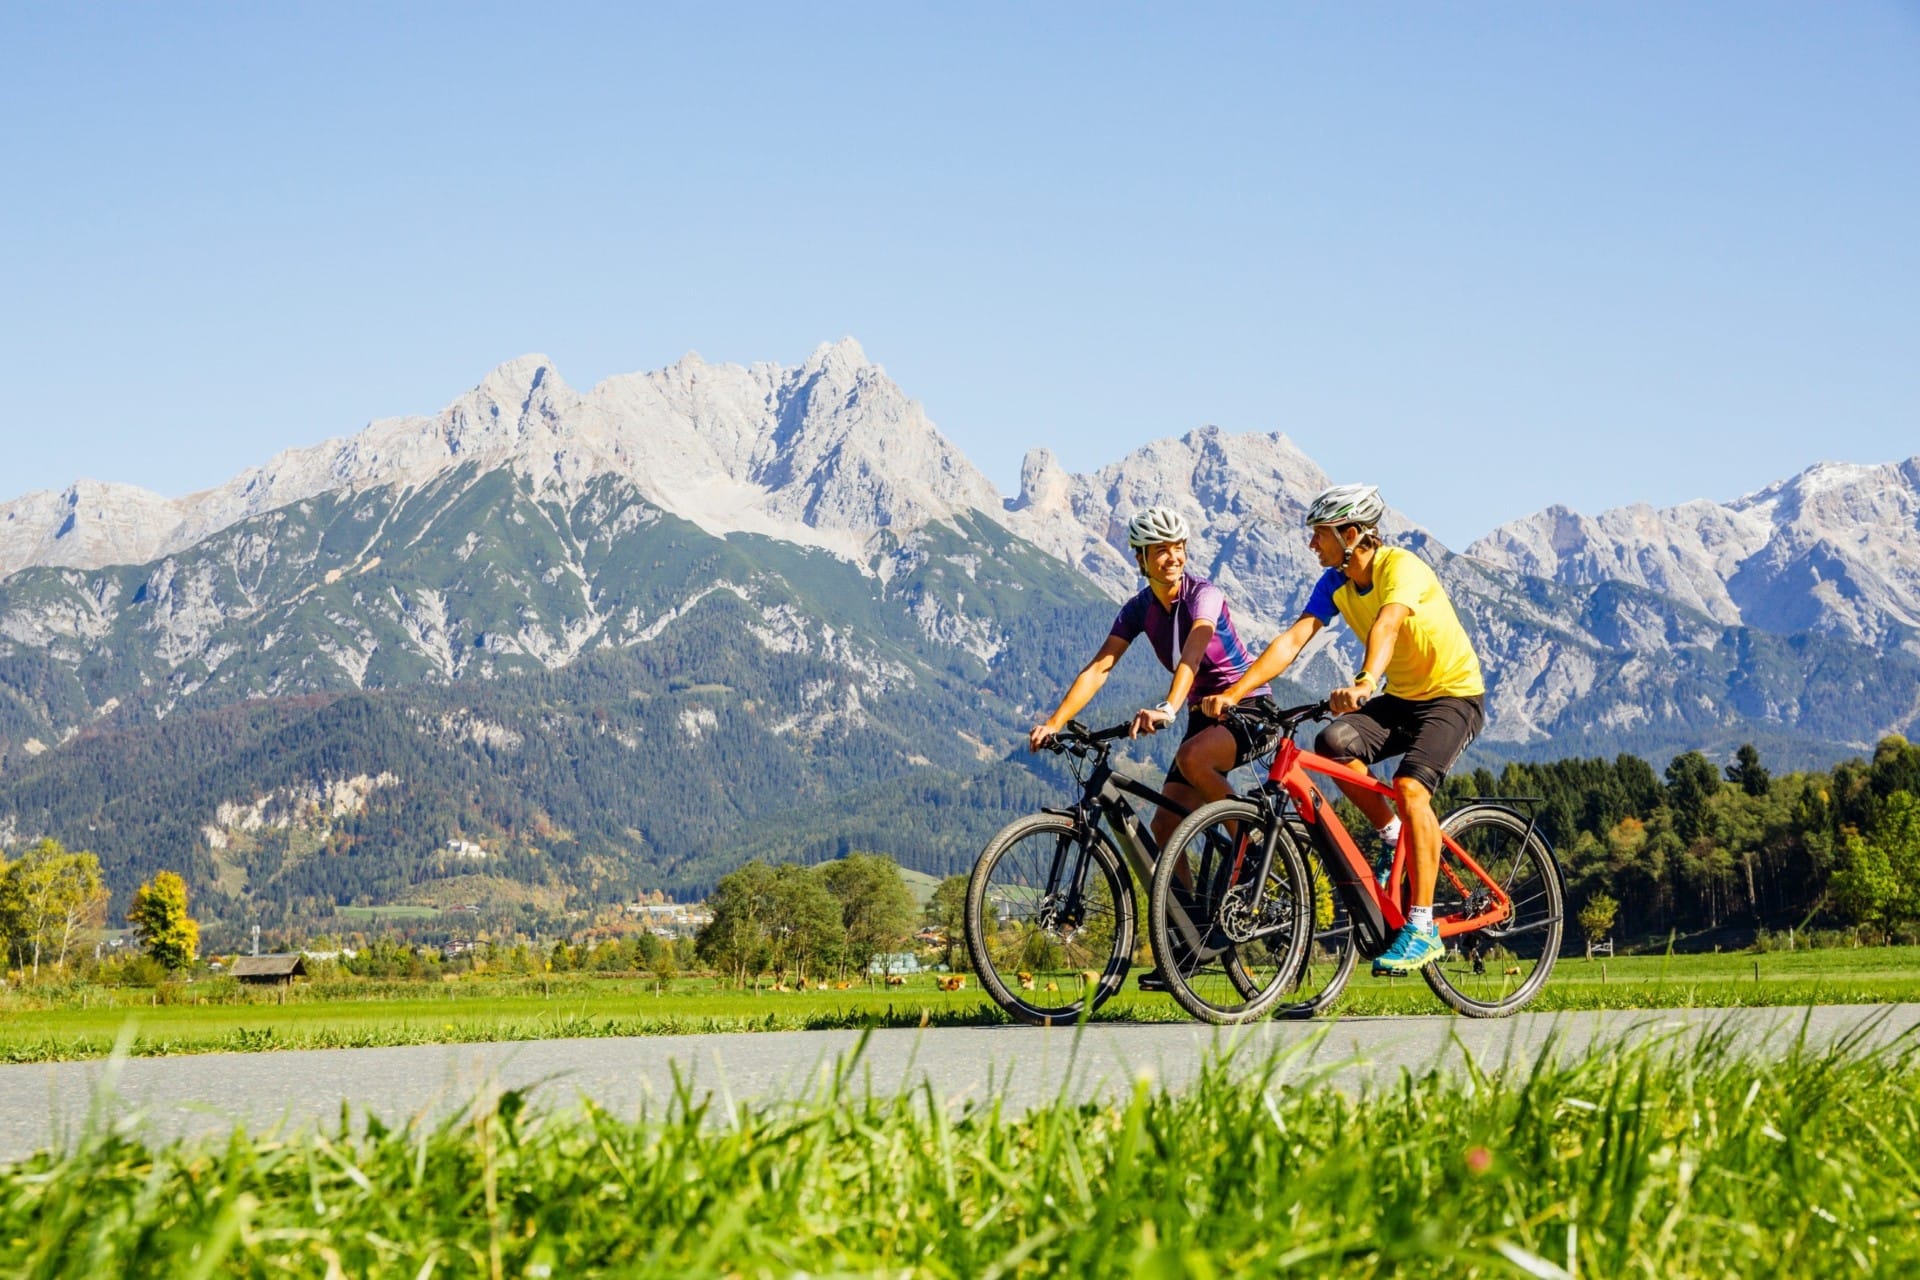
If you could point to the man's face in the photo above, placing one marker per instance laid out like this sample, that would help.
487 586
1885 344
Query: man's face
1164 562
1326 544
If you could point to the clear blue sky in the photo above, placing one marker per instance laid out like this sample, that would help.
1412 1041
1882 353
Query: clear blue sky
1491 256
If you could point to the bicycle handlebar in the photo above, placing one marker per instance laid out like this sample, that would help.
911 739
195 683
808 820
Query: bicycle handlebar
1079 740
1284 720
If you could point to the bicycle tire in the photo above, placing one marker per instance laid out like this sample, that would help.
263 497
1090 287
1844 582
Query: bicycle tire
1516 956
1028 946
1332 952
1243 979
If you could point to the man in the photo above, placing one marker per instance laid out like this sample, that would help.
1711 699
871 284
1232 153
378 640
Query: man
1417 649
1189 624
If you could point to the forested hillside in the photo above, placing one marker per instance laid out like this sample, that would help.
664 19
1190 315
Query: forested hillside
1698 847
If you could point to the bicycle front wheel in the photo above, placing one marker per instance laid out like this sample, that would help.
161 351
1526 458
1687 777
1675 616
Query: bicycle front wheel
1049 919
1494 971
1229 942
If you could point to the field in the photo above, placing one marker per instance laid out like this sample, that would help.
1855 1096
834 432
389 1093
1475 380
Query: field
365 915
1653 1162
219 1016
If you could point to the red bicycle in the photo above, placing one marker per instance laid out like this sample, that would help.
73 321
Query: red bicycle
1499 901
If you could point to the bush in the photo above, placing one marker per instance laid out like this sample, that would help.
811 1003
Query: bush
130 971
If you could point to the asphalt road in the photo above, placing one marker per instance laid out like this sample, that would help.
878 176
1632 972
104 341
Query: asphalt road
47 1104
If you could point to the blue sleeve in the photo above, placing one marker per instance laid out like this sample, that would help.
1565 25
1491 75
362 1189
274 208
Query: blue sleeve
1320 603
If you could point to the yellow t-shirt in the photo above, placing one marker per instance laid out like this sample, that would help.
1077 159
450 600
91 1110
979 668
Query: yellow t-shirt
1432 657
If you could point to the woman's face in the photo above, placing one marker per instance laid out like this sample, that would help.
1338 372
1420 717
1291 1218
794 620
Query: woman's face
1164 562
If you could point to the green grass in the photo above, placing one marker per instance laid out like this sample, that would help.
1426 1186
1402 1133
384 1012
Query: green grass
219 1016
406 912
1667 1161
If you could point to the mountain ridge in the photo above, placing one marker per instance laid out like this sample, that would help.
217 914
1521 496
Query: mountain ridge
612 637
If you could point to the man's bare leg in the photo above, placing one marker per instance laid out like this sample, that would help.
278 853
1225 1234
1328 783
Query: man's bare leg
1423 828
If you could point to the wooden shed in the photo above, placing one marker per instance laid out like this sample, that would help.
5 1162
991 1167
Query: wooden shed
267 970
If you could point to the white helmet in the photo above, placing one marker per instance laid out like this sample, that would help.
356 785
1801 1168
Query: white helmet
1156 524
1347 504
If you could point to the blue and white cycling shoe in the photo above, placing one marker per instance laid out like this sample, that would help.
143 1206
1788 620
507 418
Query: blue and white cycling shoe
1414 947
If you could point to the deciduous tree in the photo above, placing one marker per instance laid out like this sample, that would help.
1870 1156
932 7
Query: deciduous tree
57 895
160 920
877 910
947 912
1596 918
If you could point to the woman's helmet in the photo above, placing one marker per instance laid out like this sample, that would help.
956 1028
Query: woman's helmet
1156 524
1347 504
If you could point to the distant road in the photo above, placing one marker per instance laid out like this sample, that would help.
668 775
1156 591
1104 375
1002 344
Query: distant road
201 1094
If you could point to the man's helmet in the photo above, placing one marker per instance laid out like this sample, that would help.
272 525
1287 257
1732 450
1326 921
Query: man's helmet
1156 524
1347 504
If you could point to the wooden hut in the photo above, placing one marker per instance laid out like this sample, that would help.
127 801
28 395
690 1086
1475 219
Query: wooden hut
270 970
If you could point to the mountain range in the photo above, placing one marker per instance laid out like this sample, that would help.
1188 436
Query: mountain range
593 641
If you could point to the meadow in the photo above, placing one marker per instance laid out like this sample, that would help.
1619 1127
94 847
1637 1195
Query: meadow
1662 1160
50 1023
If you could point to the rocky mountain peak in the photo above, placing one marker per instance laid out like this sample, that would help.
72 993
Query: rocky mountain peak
519 387
1833 549
1043 482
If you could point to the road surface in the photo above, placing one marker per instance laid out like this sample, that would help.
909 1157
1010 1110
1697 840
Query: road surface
47 1104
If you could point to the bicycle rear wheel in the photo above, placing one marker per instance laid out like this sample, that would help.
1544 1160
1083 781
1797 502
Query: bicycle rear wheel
1049 919
1494 971
1331 954
1228 959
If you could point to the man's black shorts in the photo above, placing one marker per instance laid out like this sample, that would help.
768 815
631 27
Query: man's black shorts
1428 736
1247 741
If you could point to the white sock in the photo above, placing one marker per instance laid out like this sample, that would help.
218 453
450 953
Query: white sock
1391 832
1420 917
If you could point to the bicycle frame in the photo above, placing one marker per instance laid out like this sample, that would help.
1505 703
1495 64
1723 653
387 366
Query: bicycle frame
1377 912
1104 800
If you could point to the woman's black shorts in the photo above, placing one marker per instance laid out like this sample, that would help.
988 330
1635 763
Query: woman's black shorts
1248 742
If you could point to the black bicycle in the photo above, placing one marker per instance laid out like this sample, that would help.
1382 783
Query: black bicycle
1051 919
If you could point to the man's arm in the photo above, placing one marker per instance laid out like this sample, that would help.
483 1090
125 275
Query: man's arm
1080 692
1153 719
1273 660
1381 639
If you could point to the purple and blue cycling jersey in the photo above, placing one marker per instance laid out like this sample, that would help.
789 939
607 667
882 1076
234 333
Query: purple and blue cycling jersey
1225 660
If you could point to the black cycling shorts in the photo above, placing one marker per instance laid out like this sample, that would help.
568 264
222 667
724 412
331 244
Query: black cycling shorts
1428 736
1248 742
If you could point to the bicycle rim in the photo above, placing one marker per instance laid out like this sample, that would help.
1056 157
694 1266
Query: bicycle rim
1247 958
1049 919
1497 970
1332 954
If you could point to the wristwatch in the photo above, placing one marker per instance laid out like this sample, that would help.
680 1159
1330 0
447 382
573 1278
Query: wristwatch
1167 707
1363 676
